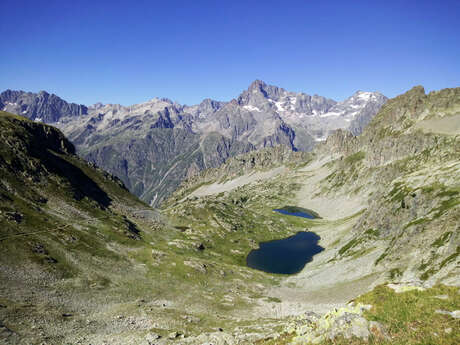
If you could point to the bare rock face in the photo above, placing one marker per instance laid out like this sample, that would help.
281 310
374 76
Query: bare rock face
43 106
153 146
347 322
340 142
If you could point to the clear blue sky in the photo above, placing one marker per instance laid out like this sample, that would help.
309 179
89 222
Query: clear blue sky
130 51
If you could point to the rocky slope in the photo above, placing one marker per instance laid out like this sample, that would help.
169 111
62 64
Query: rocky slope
154 145
402 173
389 201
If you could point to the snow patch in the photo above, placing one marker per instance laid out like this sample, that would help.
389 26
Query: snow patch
320 139
353 114
279 106
365 96
331 113
252 108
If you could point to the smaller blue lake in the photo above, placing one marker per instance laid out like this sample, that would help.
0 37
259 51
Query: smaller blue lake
285 256
298 212
295 213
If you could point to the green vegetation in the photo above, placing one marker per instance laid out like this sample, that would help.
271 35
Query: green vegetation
445 206
353 243
411 318
408 318
372 232
441 241
356 157
450 258
416 222
399 192
395 273
358 240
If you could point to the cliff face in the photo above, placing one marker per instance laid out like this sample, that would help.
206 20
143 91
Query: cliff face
41 106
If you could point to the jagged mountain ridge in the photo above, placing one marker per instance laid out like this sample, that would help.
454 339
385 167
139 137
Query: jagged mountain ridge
41 106
153 146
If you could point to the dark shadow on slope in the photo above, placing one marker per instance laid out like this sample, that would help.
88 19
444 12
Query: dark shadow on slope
82 186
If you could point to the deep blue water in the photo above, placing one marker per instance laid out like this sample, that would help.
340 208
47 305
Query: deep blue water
297 214
285 256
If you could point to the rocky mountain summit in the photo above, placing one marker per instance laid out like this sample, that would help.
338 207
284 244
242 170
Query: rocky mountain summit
42 106
153 146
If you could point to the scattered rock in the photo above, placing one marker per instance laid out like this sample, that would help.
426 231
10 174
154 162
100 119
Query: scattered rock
51 260
191 319
151 338
174 335
404 287
14 217
197 266
38 248
7 334
441 297
455 314
347 322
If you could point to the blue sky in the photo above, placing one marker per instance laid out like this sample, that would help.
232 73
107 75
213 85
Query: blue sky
130 51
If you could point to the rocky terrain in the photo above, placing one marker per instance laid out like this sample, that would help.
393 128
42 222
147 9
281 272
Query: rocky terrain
88 263
154 145
389 201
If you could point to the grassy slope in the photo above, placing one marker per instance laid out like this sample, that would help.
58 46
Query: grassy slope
80 259
409 317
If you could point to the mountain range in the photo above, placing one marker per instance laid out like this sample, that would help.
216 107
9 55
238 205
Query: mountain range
86 262
155 145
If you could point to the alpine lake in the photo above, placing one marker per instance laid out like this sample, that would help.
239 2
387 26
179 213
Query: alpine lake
288 255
